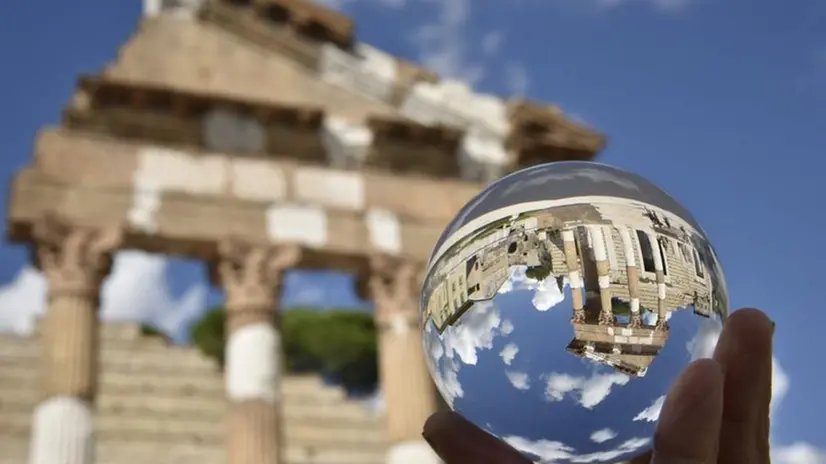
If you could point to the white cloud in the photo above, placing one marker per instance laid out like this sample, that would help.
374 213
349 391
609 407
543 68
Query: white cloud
442 44
558 385
598 387
553 451
136 290
508 353
798 453
651 413
507 327
476 330
519 380
21 300
591 391
459 345
518 280
448 381
780 385
603 435
492 43
547 293
516 79
703 343
547 450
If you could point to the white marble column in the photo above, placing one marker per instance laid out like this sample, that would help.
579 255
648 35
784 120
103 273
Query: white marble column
633 271
659 271
251 277
606 314
74 261
405 380
574 275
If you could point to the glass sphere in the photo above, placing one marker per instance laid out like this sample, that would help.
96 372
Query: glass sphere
562 302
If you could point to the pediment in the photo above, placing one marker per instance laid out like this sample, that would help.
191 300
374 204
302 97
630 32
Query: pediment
199 57
296 53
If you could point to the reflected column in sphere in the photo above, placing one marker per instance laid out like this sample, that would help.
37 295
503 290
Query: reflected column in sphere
562 302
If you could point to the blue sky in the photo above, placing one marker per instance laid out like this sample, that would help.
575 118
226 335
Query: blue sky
722 103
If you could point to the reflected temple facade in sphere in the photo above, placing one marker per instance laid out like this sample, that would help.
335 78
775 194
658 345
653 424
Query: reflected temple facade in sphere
562 302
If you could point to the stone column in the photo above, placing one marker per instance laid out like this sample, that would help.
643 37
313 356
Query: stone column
606 315
660 276
251 277
633 275
574 280
405 381
75 261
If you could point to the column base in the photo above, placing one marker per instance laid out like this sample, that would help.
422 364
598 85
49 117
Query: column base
62 432
412 452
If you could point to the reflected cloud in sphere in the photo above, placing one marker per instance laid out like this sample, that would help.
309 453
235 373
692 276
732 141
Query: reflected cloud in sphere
562 302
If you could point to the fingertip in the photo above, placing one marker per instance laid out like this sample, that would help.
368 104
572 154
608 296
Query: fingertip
746 338
455 440
752 319
744 350
440 422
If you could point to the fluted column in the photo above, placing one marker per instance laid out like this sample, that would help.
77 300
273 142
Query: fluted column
633 275
606 315
251 277
574 280
405 381
74 261
659 272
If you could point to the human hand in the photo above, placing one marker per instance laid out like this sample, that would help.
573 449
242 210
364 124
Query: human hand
716 411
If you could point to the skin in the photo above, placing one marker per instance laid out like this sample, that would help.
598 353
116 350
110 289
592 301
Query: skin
717 411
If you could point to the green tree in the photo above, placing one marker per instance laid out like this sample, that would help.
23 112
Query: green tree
148 330
620 308
340 344
208 335
539 273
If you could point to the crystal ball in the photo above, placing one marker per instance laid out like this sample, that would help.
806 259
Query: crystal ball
561 303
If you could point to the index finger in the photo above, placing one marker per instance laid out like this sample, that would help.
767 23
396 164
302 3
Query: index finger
744 351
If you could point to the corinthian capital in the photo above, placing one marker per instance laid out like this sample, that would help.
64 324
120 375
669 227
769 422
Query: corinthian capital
394 287
251 274
74 258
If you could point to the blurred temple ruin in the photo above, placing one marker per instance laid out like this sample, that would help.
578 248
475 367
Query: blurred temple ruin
255 136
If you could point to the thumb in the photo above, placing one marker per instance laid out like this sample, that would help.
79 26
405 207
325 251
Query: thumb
689 426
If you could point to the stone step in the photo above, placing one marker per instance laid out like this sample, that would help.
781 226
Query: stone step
116 381
124 331
149 356
16 452
345 414
351 414
160 430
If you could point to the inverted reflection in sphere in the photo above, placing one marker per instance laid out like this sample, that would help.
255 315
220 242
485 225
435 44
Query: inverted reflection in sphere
560 305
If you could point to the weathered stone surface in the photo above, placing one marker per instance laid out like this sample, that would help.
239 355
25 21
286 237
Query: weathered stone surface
192 225
102 162
201 57
154 402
